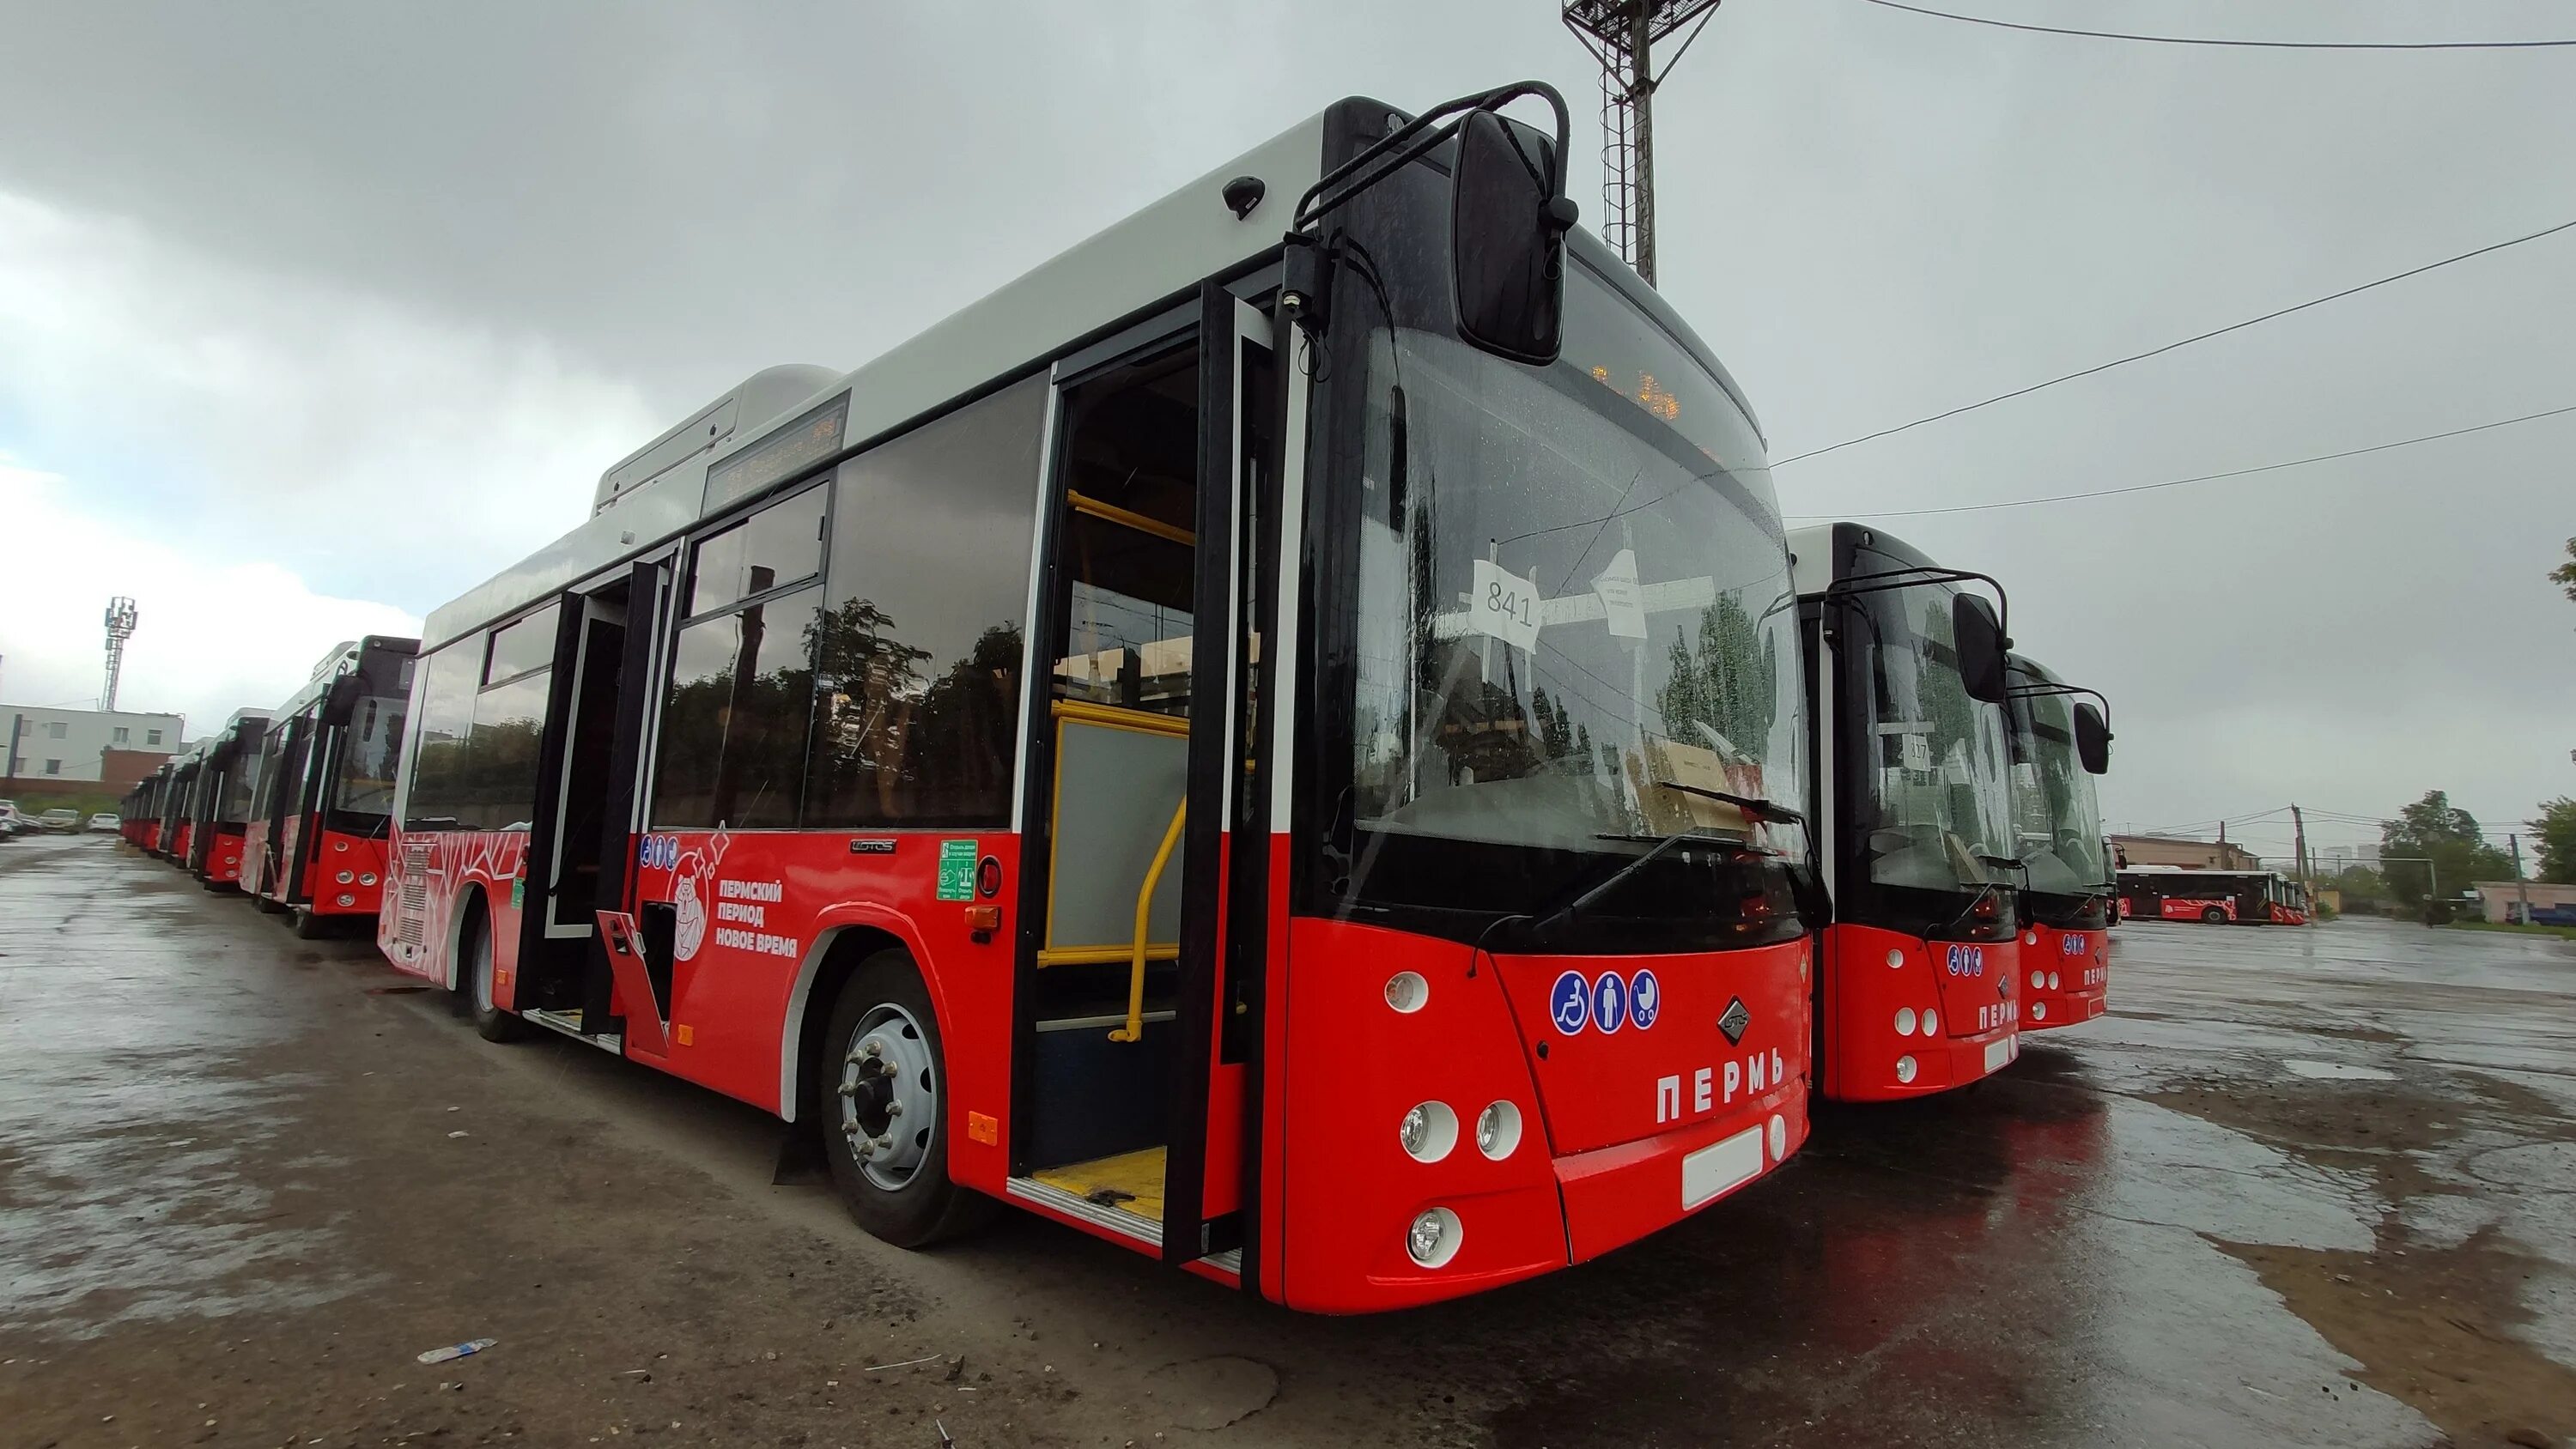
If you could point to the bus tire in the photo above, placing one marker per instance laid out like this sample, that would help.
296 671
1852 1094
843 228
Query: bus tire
474 978
2214 916
881 1087
309 924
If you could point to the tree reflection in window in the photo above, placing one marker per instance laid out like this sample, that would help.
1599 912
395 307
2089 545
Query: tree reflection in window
734 724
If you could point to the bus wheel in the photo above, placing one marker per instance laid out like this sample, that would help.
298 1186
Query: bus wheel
879 1104
309 925
2214 916
490 1022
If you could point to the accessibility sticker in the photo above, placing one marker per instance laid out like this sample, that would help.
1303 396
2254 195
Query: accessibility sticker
1569 1002
1645 1000
957 870
1610 1002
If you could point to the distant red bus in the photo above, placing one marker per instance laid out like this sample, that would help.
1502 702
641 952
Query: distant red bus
2216 897
316 839
226 780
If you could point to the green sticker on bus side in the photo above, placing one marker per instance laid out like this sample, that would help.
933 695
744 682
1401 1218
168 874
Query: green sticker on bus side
957 870
518 892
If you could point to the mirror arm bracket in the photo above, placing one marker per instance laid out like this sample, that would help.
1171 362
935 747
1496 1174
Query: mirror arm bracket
1891 579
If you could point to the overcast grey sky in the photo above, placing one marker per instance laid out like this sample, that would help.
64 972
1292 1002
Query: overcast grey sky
318 314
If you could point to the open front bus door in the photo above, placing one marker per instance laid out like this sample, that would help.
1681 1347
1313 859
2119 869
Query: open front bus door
1225 930
1148 907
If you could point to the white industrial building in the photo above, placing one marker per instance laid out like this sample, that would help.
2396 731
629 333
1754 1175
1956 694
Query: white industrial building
70 744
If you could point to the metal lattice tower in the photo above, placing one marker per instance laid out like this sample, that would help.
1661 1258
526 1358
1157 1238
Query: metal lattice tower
1621 34
121 617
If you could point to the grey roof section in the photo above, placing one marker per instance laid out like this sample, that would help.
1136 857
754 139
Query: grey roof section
1140 260
760 398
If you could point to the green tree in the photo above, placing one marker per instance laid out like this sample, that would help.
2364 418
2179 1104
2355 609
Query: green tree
2564 576
2361 887
2553 838
2434 829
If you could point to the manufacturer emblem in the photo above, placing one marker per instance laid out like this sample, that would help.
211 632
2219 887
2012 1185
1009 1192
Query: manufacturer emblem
1735 1022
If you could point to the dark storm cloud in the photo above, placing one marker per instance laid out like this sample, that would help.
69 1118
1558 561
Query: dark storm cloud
1872 216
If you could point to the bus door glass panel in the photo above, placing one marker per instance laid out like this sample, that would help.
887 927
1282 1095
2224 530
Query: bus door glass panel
574 860
1205 1190
367 758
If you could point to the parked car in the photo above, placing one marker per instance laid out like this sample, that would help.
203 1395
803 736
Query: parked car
11 822
104 823
59 819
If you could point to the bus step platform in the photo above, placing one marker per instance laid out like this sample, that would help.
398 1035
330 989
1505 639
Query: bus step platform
1124 1192
569 1023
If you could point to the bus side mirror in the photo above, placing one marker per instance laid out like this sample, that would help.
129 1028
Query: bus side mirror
1982 644
342 700
1507 240
2092 740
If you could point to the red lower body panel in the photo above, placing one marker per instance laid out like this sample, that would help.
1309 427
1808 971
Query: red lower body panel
2066 976
1879 989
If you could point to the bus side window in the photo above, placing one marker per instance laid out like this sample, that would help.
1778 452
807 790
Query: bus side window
918 679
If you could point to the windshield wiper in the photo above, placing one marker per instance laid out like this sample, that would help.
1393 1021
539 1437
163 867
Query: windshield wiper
1583 902
2007 863
1752 805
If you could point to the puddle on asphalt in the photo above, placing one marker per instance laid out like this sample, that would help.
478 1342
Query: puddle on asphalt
2337 1071
2436 1307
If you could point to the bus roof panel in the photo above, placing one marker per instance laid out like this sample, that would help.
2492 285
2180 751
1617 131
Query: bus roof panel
1146 258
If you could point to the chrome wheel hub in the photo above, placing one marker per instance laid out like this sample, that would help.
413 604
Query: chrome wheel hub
889 1096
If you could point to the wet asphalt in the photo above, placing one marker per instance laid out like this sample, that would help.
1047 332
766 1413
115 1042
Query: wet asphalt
2298 1187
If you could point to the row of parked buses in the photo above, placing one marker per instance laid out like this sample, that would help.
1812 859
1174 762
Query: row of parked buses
1291 738
292 806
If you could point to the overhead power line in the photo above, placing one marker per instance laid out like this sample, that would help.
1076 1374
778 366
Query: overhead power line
2198 478
1988 20
2185 342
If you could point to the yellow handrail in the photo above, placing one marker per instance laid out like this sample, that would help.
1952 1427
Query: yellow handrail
1129 518
1134 1030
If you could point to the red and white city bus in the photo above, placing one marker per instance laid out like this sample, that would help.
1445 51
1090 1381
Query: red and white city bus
2188 893
226 778
179 803
141 822
315 843
2059 743
1262 751
1917 981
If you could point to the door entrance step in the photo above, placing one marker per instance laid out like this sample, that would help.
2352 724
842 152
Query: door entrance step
569 1023
1122 1193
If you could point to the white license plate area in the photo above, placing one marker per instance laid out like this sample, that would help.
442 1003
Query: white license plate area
2000 1052
1721 1166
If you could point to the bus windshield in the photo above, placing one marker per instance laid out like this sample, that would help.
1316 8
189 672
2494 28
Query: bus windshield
2058 820
362 793
1576 632
1937 771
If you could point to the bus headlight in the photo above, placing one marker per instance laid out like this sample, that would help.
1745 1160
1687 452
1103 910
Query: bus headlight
347 876
1895 957
1498 1130
1407 992
1433 1239
1429 1131
2038 979
1905 1021
367 878
1779 1137
2039 1011
1904 1069
2052 981
347 899
1931 1023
